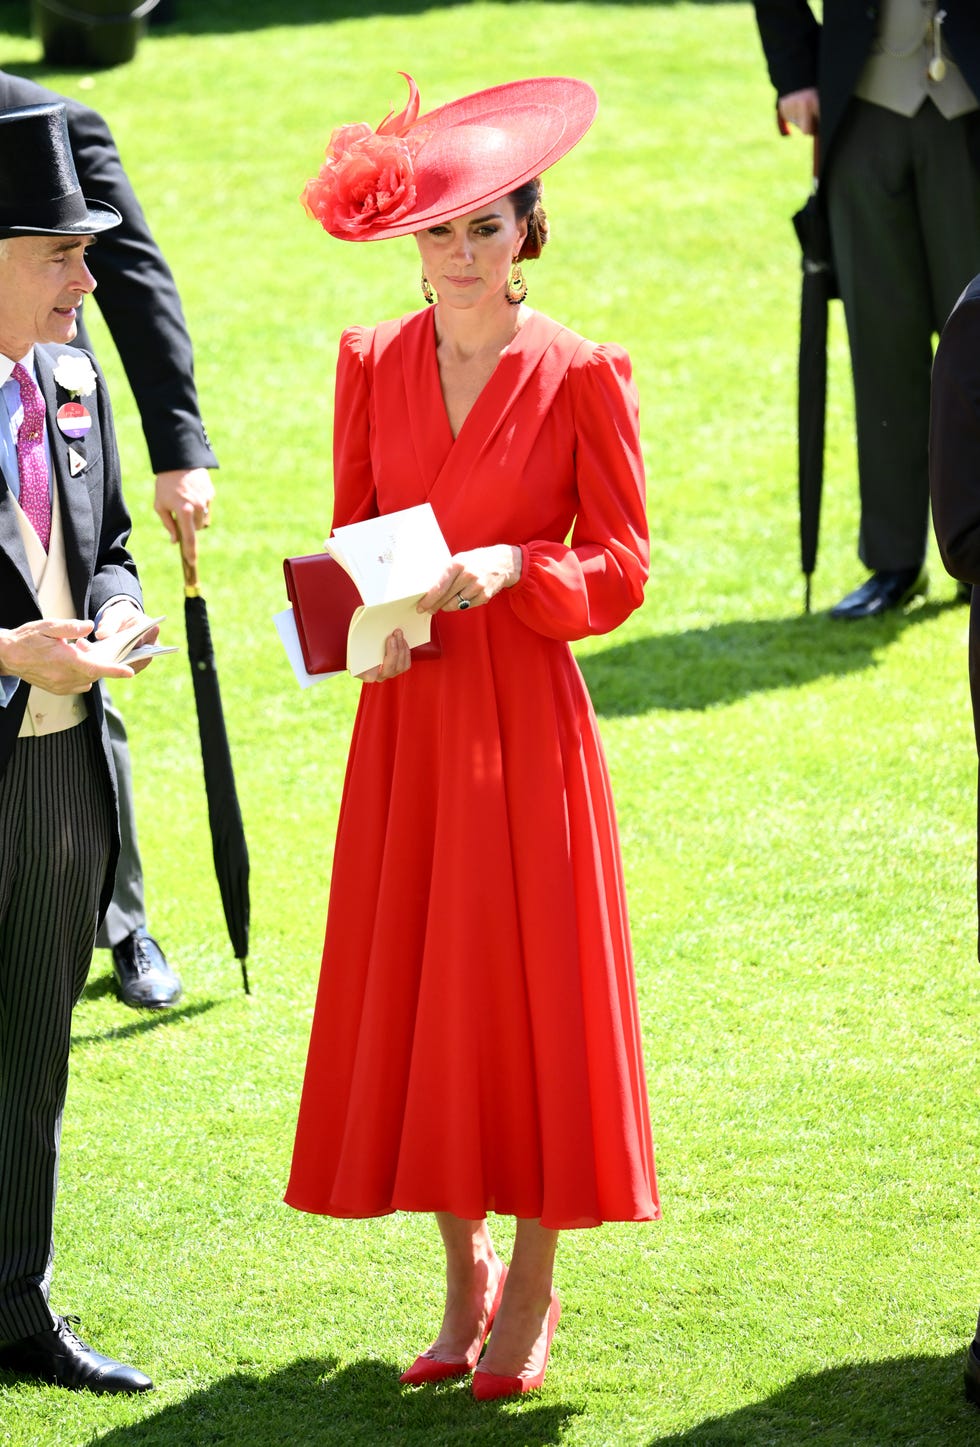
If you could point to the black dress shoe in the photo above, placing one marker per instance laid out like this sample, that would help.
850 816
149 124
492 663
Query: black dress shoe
143 977
971 1372
62 1358
882 592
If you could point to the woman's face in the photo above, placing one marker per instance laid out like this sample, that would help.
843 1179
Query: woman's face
468 260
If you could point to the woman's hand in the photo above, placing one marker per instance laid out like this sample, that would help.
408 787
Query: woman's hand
473 578
397 659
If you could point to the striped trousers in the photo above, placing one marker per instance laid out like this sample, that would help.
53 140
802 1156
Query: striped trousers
55 840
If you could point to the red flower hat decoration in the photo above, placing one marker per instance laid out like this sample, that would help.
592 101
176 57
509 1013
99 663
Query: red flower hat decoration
368 176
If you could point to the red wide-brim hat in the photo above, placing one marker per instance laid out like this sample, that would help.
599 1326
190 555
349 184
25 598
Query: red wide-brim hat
416 171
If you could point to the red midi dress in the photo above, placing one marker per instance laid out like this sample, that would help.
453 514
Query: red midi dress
476 1042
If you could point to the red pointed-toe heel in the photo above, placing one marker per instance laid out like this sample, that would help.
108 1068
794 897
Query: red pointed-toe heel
427 1368
487 1385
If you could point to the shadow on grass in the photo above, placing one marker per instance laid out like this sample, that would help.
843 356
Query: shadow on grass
911 1399
139 1022
209 17
727 661
311 1404
188 16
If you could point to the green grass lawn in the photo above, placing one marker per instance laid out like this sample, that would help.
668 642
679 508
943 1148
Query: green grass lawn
797 800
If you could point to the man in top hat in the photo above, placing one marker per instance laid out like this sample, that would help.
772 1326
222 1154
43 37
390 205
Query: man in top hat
64 573
139 302
892 89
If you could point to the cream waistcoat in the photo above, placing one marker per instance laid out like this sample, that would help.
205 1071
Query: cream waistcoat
896 73
49 713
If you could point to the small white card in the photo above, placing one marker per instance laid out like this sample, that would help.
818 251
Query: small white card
288 636
120 647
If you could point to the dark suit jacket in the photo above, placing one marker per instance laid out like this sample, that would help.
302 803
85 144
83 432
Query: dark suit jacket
800 53
954 469
136 291
954 457
96 527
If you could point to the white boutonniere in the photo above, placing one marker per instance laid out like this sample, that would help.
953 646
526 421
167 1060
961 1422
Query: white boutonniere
75 375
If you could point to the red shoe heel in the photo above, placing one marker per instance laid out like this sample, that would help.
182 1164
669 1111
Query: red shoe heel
487 1385
427 1368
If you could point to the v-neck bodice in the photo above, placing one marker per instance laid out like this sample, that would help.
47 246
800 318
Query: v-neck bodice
514 366
411 455
453 370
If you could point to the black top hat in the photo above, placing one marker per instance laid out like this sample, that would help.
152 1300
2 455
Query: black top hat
39 190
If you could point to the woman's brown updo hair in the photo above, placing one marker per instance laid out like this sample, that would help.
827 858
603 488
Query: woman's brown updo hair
526 201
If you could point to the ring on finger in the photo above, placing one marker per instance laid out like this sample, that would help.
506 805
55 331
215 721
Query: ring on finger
462 603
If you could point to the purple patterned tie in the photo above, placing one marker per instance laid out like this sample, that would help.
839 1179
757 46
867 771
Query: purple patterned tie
34 496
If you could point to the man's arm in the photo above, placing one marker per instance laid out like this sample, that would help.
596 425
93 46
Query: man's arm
138 297
53 653
790 39
954 439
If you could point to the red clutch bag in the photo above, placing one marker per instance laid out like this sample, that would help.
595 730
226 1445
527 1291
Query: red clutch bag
324 598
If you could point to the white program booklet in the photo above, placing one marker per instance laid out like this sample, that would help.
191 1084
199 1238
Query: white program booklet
393 559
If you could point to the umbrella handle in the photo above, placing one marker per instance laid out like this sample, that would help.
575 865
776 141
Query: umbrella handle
192 587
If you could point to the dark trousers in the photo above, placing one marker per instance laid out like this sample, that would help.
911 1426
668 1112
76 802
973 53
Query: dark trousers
55 840
127 909
903 197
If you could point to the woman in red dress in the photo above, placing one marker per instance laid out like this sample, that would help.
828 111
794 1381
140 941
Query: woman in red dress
476 1042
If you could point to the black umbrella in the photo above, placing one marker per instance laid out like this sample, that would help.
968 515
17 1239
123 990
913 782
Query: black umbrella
227 834
819 285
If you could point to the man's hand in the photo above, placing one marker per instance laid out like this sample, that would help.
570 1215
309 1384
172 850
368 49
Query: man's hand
119 615
801 108
183 504
52 653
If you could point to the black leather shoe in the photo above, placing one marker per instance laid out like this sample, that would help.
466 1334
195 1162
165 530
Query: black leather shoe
882 592
143 977
62 1358
971 1372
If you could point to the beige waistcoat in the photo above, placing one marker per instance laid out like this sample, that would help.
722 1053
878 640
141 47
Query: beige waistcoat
49 713
896 73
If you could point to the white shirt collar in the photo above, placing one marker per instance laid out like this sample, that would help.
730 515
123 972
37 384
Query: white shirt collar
7 366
